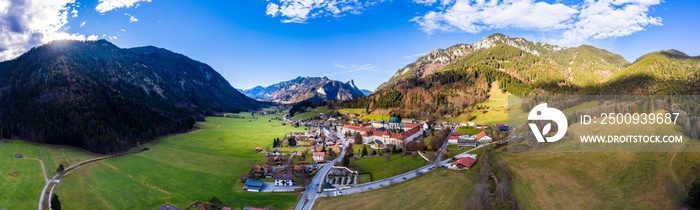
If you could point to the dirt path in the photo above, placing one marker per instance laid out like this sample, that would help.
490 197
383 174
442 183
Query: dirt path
43 169
200 129
673 173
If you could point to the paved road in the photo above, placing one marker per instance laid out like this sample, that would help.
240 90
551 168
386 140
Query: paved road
309 196
45 197
392 180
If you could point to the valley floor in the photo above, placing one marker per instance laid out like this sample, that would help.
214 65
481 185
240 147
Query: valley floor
22 179
181 169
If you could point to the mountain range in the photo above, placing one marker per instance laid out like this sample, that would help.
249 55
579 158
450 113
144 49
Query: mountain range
454 80
105 99
315 89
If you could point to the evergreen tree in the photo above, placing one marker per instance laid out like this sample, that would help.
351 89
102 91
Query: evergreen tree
694 195
215 203
364 151
292 141
60 169
55 203
346 161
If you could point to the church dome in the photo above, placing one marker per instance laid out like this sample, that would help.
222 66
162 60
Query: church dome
394 119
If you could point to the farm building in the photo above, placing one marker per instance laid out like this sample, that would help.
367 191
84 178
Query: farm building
465 162
253 185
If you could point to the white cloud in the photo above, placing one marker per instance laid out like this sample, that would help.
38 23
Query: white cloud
591 19
109 5
82 24
477 16
610 18
414 55
92 37
28 23
299 11
132 18
352 68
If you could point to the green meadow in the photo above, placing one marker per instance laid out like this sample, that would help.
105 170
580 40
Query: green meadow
440 189
381 168
311 112
497 110
21 180
181 169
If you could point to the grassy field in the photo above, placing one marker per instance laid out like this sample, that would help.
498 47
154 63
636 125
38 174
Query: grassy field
441 189
312 112
497 104
614 177
602 180
181 169
373 116
470 130
21 180
381 168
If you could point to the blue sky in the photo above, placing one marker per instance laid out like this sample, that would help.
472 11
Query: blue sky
259 42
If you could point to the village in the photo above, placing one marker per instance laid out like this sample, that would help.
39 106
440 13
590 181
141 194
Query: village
320 160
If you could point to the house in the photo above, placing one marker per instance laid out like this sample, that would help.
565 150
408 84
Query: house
319 157
269 171
471 124
299 168
454 138
427 125
253 185
258 171
283 179
258 149
277 159
298 134
275 152
462 143
501 127
18 155
483 138
168 207
465 162
481 127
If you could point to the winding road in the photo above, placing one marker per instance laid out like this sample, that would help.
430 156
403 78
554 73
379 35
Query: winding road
313 190
45 197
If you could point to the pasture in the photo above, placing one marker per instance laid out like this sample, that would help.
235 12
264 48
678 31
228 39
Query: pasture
181 169
440 189
22 179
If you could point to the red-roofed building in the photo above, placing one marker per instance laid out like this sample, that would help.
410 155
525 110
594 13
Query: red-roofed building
483 137
403 133
465 162
319 157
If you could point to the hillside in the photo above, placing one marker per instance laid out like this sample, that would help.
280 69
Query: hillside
105 99
315 89
453 81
